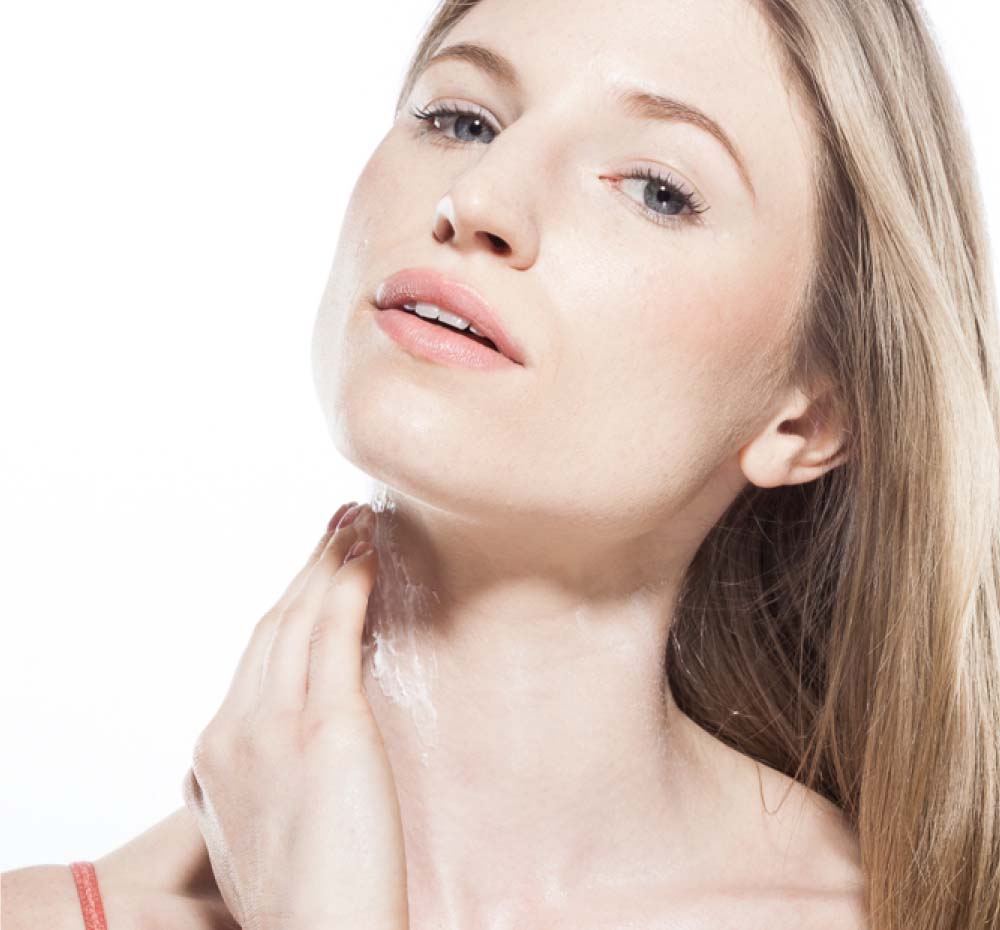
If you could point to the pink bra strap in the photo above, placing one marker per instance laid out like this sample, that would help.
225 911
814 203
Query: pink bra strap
85 877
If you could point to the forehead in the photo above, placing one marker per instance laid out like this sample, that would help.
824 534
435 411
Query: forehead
718 55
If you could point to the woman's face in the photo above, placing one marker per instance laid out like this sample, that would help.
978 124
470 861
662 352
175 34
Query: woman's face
651 333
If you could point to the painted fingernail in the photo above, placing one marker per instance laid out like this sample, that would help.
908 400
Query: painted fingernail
335 519
348 518
358 549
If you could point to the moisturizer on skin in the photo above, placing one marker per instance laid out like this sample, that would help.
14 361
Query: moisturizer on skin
388 649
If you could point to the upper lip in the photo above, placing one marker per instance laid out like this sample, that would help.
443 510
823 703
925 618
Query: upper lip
430 286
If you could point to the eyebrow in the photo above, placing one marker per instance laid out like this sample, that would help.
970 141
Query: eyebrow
635 101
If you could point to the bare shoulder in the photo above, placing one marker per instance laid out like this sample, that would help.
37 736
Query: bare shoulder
793 858
800 867
46 896
39 896
169 857
812 853
159 880
162 879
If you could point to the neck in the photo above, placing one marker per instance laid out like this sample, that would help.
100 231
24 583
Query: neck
526 714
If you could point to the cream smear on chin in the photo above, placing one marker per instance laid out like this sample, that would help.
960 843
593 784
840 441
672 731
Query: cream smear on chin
390 650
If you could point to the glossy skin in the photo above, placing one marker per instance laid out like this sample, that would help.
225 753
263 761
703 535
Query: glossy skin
545 514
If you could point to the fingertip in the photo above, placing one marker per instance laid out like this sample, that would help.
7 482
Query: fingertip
335 519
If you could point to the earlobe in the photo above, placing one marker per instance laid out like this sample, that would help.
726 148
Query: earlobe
803 441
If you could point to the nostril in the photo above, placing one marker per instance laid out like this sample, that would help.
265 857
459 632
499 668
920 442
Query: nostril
497 243
442 228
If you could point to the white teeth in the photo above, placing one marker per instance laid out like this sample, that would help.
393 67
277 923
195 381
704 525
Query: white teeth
433 312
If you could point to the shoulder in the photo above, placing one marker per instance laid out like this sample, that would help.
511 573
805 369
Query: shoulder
40 896
162 879
145 909
813 855
159 880
794 859
769 909
167 858
46 896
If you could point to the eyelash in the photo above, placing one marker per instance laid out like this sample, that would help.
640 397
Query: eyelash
688 197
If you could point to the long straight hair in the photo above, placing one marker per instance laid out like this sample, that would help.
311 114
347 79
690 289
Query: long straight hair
847 631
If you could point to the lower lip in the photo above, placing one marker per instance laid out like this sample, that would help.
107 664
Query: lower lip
438 343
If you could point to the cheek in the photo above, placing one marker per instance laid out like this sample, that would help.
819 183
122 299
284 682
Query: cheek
387 204
667 365
713 342
373 236
713 326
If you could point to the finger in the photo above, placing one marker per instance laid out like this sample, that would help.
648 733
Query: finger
334 663
283 678
244 688
296 583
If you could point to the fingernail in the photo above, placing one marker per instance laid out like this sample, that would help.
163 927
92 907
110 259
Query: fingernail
358 549
335 519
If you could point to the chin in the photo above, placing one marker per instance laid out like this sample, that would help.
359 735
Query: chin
414 426
423 451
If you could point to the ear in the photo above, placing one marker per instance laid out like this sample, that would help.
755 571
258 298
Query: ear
804 440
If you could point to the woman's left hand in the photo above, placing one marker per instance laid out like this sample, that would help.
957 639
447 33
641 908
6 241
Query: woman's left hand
290 785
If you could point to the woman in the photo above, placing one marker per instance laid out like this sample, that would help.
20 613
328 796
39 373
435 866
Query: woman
678 614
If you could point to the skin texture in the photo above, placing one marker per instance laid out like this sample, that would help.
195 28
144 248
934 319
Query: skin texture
533 523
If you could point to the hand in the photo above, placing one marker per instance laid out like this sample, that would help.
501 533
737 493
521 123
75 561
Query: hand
290 785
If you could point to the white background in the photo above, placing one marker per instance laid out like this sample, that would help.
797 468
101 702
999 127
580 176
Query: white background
174 177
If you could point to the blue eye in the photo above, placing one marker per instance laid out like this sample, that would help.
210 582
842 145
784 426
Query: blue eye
471 122
662 190
665 199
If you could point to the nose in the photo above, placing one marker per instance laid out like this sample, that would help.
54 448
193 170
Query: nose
446 227
464 219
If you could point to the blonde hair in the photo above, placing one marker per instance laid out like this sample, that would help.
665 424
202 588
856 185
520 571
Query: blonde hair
847 631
